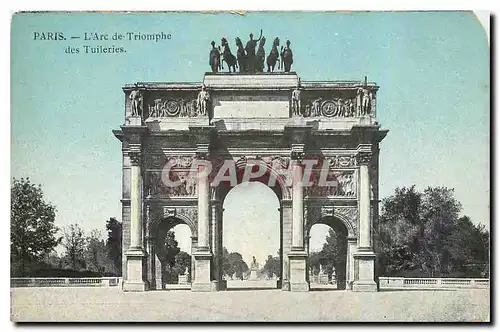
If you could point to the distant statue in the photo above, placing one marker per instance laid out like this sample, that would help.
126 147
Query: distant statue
261 55
186 272
214 58
287 57
254 265
273 56
250 50
202 101
296 103
227 56
136 102
241 56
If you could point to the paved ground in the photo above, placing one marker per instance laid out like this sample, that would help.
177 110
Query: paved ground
110 304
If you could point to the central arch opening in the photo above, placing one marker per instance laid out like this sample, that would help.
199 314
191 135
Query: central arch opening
251 237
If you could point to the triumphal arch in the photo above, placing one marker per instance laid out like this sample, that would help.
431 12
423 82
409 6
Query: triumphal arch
185 145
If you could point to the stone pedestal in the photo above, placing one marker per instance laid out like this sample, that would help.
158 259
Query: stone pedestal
183 279
134 121
134 281
202 282
365 272
253 275
298 271
323 279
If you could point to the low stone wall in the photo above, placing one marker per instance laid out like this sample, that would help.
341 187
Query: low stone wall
65 282
393 283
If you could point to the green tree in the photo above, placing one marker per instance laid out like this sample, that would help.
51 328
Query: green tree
96 255
421 233
468 246
32 230
333 255
233 264
167 250
182 261
114 243
314 262
74 242
272 266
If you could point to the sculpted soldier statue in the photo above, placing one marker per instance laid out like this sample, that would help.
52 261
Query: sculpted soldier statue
287 56
250 50
202 101
214 60
136 102
366 100
296 104
316 107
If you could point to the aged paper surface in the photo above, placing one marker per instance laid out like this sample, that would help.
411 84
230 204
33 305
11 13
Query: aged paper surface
257 166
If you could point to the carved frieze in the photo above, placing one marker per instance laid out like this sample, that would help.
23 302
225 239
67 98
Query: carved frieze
340 184
343 103
161 160
176 180
181 105
178 107
330 108
274 162
341 161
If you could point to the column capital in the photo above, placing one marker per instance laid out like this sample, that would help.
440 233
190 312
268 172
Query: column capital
135 158
297 155
202 134
364 158
202 151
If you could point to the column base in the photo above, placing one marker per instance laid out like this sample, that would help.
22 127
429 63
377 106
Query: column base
299 286
364 286
202 259
158 284
135 281
364 272
298 279
201 287
134 286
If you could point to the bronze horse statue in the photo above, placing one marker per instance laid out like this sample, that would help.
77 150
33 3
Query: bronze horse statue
273 56
241 56
228 57
214 60
287 56
261 55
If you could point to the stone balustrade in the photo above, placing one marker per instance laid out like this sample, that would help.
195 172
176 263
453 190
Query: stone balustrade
395 283
65 282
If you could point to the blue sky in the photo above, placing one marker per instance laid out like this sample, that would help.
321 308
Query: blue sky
432 68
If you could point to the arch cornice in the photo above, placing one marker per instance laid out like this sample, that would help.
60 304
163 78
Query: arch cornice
318 214
186 214
241 163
